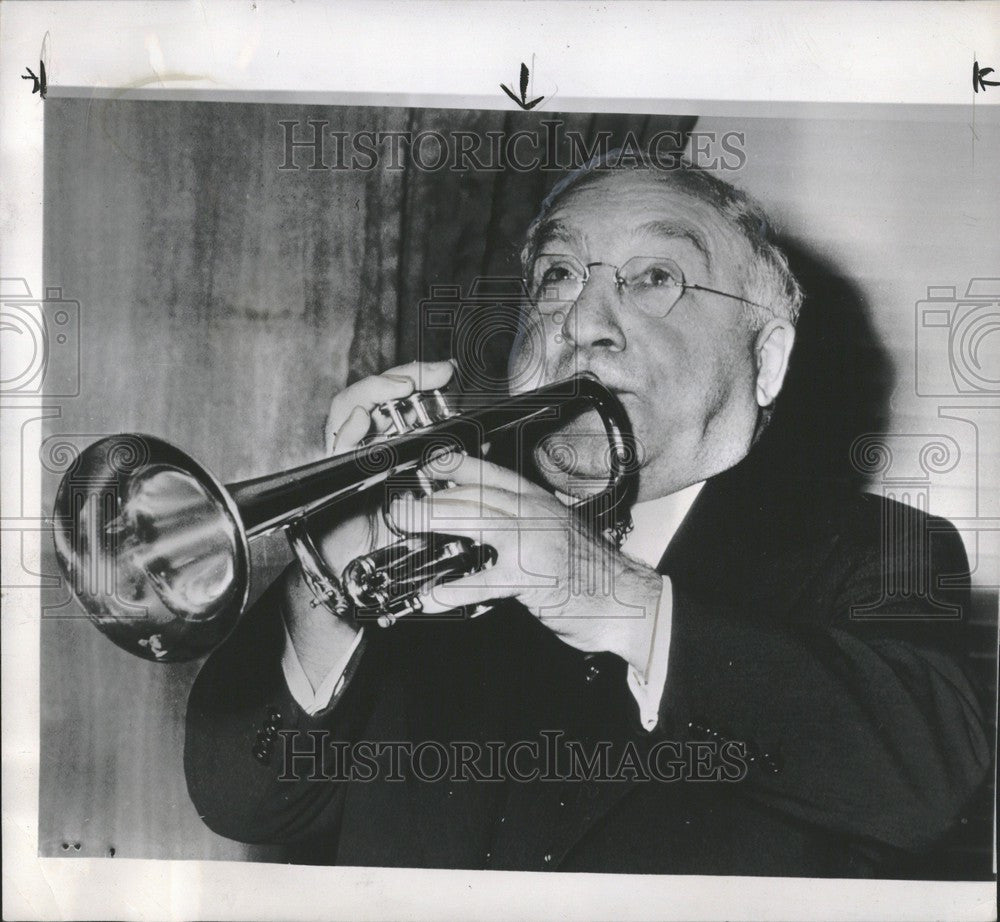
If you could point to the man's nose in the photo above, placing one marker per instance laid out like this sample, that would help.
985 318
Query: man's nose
593 322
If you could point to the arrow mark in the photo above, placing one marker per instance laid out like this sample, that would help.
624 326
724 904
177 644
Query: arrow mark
523 101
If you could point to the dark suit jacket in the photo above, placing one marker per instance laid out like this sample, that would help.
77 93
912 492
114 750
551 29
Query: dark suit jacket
805 625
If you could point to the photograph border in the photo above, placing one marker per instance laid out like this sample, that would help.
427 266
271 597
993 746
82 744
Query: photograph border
135 44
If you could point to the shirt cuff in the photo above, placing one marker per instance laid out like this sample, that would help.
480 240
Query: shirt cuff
313 701
648 689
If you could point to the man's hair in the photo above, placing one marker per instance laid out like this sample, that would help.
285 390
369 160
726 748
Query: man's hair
767 279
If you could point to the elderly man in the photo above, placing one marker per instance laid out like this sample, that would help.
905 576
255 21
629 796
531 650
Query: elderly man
706 703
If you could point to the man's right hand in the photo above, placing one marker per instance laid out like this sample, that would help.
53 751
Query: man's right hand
348 422
352 528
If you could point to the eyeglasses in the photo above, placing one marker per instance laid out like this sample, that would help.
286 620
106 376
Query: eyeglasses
650 284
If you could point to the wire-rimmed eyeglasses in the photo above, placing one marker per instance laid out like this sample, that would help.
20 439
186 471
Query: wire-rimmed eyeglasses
651 284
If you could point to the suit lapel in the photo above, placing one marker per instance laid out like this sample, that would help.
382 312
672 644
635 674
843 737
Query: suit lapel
754 535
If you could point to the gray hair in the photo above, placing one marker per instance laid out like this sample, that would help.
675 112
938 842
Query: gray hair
767 279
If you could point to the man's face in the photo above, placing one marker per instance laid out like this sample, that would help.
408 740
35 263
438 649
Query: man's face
686 379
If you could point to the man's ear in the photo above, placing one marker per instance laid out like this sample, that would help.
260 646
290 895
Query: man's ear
772 351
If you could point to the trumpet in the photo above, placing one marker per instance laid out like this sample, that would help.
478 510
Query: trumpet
156 550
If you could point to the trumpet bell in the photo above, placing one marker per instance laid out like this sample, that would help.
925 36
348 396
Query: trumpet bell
154 547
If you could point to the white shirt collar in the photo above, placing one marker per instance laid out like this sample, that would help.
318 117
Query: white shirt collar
656 522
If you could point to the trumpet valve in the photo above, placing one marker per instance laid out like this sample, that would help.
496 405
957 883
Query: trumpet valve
444 410
420 410
391 409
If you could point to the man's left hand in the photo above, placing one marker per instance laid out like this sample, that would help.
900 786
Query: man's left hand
591 595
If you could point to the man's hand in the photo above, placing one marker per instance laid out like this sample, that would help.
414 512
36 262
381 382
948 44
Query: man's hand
591 595
354 527
348 423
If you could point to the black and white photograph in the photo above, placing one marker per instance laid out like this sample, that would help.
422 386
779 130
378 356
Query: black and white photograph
535 488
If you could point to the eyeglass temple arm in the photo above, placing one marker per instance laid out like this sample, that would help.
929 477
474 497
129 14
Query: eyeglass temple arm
725 294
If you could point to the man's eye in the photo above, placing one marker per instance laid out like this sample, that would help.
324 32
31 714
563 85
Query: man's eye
658 277
556 274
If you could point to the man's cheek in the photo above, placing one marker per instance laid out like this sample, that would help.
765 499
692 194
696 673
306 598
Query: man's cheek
524 372
540 355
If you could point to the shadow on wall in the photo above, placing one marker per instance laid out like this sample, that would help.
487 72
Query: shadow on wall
839 379
839 383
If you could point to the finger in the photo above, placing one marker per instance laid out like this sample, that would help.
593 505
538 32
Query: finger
393 384
475 513
468 503
465 520
462 505
469 590
466 470
366 394
463 510
352 431
425 376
